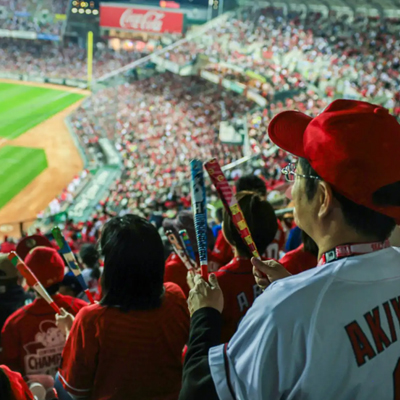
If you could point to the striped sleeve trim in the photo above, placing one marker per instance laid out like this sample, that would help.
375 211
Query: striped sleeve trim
71 389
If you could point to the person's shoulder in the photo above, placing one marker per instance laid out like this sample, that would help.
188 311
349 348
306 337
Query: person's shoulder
173 291
73 302
17 316
91 313
301 289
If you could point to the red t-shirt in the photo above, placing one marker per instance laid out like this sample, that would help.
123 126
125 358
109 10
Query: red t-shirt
118 355
240 290
222 251
298 260
19 388
32 343
176 272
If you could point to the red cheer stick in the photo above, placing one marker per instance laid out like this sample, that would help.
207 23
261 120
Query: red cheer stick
32 280
230 203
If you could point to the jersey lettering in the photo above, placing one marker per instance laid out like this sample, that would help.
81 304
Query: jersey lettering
396 307
363 349
361 346
374 322
242 300
389 317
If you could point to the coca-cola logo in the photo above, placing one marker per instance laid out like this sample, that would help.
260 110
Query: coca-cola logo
151 21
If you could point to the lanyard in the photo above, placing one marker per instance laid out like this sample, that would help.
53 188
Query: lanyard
349 250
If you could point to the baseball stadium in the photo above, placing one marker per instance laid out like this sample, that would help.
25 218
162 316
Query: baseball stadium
163 164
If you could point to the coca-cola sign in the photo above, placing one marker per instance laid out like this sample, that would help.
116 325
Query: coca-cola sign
138 19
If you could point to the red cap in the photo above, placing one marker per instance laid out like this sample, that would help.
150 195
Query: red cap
46 264
28 243
352 145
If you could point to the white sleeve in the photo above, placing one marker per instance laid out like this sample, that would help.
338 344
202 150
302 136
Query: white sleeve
266 355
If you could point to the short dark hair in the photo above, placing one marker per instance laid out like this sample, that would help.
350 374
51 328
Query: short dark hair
133 264
53 289
251 183
260 218
363 219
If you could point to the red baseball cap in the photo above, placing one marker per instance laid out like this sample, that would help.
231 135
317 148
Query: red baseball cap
46 264
352 145
30 242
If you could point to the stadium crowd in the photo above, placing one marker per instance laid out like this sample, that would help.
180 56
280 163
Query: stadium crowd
32 16
146 307
48 59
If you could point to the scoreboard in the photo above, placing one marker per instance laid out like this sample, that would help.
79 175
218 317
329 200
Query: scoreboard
86 11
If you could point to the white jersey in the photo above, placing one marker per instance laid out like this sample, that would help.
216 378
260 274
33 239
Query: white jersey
330 333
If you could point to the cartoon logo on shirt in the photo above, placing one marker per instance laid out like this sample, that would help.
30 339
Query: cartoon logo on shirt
43 355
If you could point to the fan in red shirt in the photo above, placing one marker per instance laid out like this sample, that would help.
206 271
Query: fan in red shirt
175 270
130 345
12 386
32 343
302 258
253 183
236 278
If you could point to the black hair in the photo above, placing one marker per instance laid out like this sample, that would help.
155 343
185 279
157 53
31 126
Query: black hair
220 214
362 219
5 386
53 289
251 183
261 220
90 257
133 264
309 244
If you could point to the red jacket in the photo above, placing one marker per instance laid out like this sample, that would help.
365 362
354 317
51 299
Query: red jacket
32 343
19 388
298 260
116 355
176 272
240 290
222 252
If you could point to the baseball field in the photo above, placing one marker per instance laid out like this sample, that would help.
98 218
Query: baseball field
33 137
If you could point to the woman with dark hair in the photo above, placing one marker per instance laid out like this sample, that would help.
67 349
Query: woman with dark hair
130 345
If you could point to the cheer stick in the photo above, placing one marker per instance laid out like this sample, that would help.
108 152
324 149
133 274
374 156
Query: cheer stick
32 280
69 257
187 245
179 250
230 203
200 213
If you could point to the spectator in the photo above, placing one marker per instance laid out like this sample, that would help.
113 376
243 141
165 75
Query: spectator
139 315
346 195
251 183
91 272
236 278
302 258
8 245
32 343
175 269
12 385
12 296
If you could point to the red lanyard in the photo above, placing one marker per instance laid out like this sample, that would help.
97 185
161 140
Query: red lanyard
349 250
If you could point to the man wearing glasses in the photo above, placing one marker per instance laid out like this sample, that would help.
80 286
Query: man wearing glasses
331 332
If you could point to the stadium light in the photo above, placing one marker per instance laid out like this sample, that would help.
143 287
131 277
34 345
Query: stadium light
81 11
88 11
95 12
74 10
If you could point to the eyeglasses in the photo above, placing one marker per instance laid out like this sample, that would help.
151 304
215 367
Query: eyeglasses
290 173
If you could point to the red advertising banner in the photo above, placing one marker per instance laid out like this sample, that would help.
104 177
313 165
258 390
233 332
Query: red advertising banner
138 19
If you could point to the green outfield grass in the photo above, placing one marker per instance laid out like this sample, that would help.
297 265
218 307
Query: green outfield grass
23 107
19 166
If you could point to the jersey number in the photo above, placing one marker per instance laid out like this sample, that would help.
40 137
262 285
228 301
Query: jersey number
396 381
